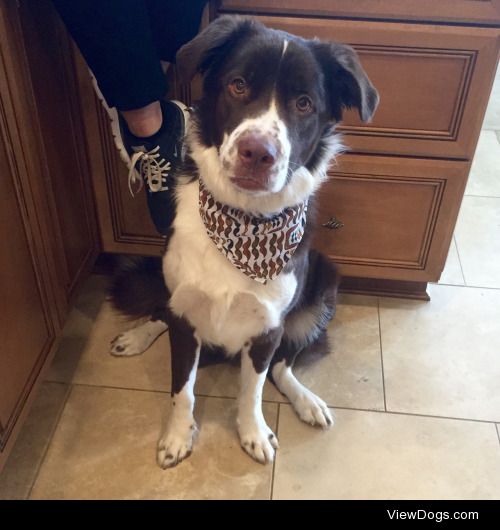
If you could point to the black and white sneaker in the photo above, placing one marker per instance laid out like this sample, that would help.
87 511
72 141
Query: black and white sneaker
154 160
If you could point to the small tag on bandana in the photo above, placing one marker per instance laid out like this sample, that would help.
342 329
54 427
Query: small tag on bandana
260 247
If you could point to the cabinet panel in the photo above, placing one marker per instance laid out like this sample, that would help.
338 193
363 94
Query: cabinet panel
434 83
458 11
55 94
365 203
25 327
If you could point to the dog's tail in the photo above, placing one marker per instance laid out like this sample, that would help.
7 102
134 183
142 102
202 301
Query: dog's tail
138 289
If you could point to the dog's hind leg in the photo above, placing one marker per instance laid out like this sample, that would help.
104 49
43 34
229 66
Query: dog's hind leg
309 407
177 442
137 340
305 333
138 291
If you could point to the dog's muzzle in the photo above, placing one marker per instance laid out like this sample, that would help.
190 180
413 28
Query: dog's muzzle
255 164
256 154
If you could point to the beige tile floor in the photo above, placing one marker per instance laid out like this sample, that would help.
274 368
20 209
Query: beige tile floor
416 388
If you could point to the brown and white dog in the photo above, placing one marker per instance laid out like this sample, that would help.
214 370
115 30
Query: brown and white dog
260 141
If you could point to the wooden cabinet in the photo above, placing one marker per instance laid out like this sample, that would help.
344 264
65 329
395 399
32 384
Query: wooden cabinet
47 217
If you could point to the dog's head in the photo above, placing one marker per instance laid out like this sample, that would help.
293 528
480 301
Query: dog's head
262 135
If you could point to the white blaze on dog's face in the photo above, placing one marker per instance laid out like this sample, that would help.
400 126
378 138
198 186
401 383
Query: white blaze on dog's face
255 156
264 125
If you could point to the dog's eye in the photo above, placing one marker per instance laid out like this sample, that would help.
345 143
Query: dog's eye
304 104
238 86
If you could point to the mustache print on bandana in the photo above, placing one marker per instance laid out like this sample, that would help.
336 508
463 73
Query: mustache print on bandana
260 247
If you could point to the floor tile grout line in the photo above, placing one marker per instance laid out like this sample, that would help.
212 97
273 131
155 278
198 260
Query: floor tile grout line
498 432
113 387
482 196
276 454
51 437
154 391
460 261
151 390
332 406
466 286
226 397
417 415
381 352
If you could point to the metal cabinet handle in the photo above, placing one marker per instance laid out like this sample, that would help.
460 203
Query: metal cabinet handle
333 223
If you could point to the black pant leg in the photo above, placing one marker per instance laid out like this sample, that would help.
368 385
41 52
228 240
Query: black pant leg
116 40
173 23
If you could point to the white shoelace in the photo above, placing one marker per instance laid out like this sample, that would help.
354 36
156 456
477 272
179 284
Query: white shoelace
151 167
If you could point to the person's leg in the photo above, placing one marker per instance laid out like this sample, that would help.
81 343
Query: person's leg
117 41
173 24
145 121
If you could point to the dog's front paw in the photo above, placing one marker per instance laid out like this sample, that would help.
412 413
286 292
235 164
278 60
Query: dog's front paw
259 441
312 409
175 445
128 344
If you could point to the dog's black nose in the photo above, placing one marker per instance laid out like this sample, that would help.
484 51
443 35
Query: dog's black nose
256 152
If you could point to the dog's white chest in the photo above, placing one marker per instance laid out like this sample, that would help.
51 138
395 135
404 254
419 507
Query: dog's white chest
224 306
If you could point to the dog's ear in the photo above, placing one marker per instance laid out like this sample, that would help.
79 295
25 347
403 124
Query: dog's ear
198 54
347 84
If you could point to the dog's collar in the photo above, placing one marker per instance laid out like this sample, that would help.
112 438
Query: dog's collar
260 247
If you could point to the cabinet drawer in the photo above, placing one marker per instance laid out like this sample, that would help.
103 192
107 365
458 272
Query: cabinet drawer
458 11
434 83
390 218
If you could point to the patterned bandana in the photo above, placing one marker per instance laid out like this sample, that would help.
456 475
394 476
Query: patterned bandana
260 247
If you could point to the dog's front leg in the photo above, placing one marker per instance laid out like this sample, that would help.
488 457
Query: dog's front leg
257 439
177 441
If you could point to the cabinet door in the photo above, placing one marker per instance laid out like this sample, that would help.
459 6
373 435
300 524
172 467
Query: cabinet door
54 91
46 233
434 83
461 11
26 329
390 218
